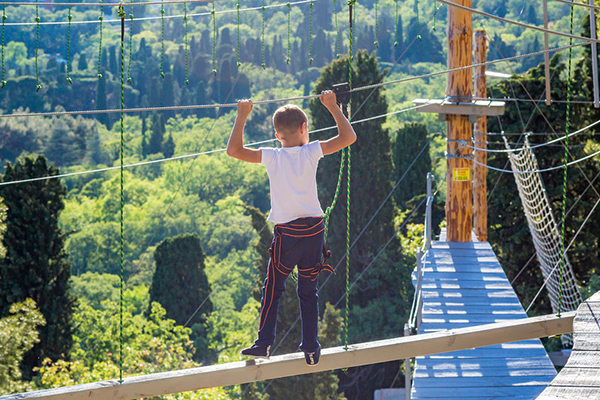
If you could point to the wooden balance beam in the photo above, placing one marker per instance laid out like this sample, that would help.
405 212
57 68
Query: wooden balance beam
293 364
580 378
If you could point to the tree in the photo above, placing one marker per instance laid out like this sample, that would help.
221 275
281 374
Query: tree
155 144
36 265
180 284
371 171
410 139
18 334
101 101
427 49
82 65
169 146
508 231
399 42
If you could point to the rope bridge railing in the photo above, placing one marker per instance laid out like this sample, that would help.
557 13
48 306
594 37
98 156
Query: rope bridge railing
544 233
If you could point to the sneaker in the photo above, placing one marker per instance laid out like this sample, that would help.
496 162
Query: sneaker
312 358
257 351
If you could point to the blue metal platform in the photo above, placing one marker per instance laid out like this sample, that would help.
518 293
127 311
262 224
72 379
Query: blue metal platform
464 285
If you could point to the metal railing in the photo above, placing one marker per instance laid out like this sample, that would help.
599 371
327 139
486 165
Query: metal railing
415 318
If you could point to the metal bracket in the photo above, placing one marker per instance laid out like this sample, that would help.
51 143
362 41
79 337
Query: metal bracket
342 92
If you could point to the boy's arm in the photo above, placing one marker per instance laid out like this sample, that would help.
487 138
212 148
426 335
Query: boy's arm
235 146
346 135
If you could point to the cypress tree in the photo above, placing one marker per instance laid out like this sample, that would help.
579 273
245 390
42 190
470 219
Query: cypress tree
179 282
101 102
112 60
410 139
169 146
399 45
82 65
36 264
157 135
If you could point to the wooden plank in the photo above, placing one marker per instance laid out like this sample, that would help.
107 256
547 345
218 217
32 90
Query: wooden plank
484 353
489 269
464 393
489 381
583 359
460 245
587 341
464 276
495 309
570 393
466 285
484 372
293 364
458 364
435 253
589 377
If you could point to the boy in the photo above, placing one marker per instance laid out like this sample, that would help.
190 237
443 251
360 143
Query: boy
296 212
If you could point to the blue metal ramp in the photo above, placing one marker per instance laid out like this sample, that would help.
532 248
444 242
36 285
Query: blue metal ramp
464 285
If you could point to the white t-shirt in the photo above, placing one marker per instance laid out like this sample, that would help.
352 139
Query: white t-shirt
293 182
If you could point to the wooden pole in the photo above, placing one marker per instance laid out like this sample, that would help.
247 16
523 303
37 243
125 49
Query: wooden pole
459 88
480 135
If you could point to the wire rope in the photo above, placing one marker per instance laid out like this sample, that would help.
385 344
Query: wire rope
231 105
508 21
203 14
463 143
568 247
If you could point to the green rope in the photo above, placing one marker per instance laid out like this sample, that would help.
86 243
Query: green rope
130 44
101 18
185 21
337 30
70 17
418 21
122 15
349 163
4 18
162 39
287 59
396 41
376 43
262 36
336 193
37 46
239 64
310 57
214 49
565 161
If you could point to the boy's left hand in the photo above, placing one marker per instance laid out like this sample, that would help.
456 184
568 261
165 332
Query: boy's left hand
328 99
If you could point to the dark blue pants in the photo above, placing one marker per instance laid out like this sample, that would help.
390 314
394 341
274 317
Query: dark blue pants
297 243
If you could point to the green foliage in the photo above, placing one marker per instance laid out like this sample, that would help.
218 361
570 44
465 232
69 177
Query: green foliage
18 334
150 345
410 140
36 265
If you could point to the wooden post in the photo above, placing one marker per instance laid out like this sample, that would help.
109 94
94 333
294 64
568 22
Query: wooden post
459 88
480 135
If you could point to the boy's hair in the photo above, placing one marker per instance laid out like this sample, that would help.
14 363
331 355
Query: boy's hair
288 119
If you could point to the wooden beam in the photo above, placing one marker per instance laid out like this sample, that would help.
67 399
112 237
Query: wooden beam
480 209
478 108
293 364
459 88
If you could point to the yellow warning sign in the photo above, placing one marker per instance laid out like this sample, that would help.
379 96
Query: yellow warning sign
460 174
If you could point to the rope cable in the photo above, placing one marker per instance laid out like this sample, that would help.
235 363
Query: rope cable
4 17
162 39
131 41
155 17
231 105
310 57
37 46
121 13
185 22
101 18
69 17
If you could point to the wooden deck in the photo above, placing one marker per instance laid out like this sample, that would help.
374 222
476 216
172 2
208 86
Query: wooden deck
464 286
580 378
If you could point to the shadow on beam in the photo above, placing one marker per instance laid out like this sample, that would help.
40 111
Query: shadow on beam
293 364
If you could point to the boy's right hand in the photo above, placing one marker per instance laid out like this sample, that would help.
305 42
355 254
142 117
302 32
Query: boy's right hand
244 107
